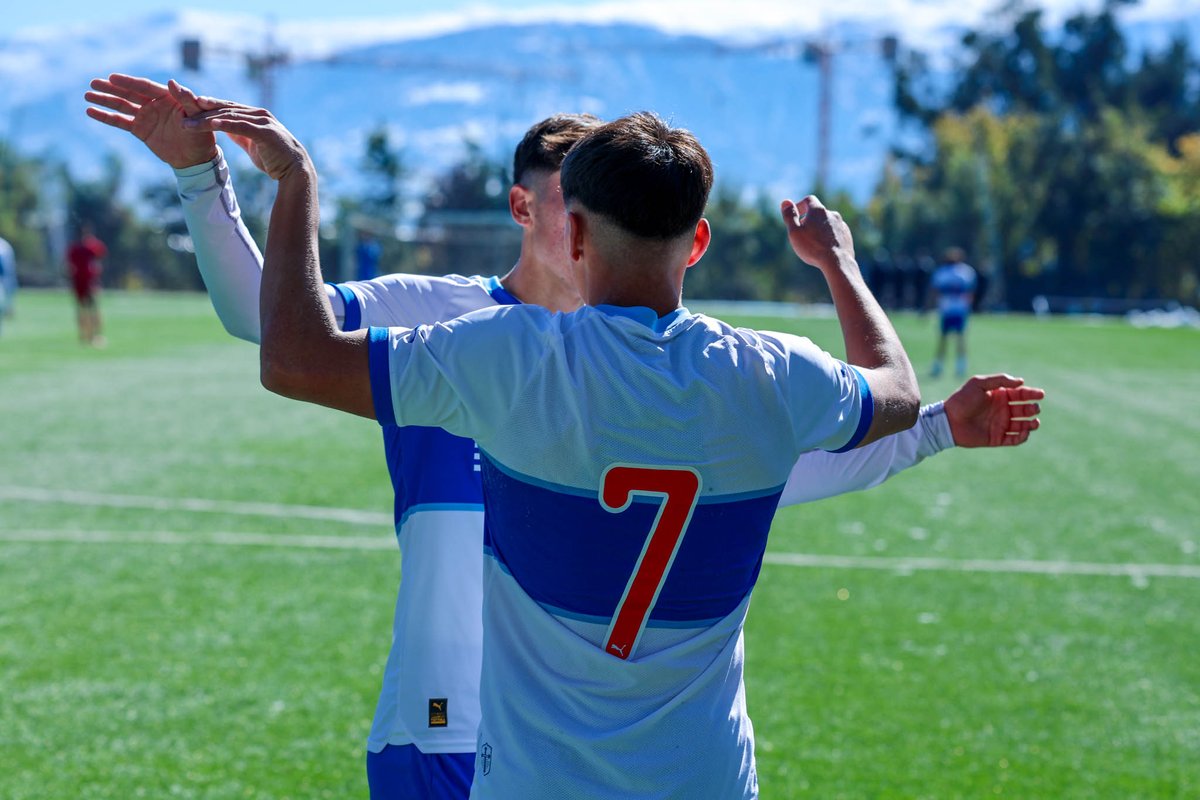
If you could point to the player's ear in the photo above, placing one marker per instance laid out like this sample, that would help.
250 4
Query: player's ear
700 241
575 235
518 205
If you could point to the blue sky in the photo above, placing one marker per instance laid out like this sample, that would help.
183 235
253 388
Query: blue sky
18 15
706 16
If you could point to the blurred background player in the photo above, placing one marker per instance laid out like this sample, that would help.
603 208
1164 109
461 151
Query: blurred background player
435 475
954 284
85 263
8 280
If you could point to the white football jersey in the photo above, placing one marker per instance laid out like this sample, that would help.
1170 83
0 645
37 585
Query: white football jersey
430 693
631 468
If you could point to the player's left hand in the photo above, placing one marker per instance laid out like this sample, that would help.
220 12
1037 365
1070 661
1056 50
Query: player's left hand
270 145
149 111
993 411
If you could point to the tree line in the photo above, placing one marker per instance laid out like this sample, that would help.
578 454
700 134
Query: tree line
1064 162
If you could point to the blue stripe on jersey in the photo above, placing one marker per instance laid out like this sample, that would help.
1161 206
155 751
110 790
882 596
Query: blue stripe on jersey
352 317
575 558
431 470
378 351
499 293
865 415
559 488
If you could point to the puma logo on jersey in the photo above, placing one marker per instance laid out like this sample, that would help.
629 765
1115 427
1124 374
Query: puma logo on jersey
620 649
438 718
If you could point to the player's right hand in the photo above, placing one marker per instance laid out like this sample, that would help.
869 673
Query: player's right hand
270 145
148 110
993 411
820 237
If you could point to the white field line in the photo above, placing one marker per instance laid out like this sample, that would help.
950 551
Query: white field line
70 497
1010 566
900 565
299 541
1020 566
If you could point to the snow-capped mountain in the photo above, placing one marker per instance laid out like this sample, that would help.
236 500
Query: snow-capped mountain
746 90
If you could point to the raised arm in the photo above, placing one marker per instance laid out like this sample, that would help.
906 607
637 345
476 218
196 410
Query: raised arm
821 238
986 411
228 258
303 354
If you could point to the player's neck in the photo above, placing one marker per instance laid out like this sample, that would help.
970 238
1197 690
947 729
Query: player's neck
656 290
532 282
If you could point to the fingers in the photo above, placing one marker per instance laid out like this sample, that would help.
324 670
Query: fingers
1021 411
794 213
810 203
791 214
143 86
191 102
112 102
1018 432
1022 394
990 382
231 125
242 121
108 118
213 104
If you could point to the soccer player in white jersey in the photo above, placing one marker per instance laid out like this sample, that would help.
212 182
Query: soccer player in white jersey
979 414
628 498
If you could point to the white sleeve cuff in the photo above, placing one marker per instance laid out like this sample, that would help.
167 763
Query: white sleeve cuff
935 430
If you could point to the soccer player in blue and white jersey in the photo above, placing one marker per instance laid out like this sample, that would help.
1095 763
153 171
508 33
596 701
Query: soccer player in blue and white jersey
628 497
978 414
954 284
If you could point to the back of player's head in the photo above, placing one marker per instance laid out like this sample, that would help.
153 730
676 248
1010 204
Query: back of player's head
545 145
648 178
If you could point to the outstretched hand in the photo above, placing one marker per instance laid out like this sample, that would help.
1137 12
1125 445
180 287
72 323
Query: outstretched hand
993 411
151 112
817 235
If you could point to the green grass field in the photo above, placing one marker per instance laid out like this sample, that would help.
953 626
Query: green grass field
152 648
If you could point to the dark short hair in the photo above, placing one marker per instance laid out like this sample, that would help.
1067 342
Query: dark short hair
650 179
545 145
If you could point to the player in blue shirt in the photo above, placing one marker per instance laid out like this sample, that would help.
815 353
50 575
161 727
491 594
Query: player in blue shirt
954 283
628 496
430 531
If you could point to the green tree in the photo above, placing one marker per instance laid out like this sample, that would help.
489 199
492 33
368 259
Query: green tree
21 222
1044 157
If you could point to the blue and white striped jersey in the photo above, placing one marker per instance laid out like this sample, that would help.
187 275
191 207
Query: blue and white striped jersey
430 693
631 469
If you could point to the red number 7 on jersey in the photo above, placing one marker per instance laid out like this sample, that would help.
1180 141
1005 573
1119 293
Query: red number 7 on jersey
680 488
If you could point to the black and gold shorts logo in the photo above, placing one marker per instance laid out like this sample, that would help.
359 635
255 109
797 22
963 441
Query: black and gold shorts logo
437 712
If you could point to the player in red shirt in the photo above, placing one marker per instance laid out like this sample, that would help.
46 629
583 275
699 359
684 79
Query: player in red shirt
84 259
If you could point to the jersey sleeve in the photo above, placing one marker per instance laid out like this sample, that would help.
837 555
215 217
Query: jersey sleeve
396 300
228 258
829 400
463 376
818 474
